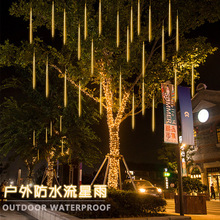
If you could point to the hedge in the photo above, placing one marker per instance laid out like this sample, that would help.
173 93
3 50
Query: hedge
126 204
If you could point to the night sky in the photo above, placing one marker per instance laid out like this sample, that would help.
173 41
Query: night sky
139 145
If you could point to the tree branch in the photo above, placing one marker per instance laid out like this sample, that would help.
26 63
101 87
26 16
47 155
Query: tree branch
165 43
77 86
130 113
148 60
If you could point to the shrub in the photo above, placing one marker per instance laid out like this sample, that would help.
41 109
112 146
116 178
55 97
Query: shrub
191 185
127 204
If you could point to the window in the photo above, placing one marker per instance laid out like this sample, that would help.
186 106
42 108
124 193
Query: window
218 133
195 136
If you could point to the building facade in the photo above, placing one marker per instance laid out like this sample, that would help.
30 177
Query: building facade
206 116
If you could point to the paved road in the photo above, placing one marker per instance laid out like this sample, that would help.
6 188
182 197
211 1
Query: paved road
9 215
213 210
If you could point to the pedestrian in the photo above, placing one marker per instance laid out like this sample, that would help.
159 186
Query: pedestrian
212 192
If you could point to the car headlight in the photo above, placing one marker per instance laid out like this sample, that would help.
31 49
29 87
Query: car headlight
159 190
142 190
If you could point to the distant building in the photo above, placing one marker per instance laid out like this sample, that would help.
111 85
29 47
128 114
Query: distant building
206 116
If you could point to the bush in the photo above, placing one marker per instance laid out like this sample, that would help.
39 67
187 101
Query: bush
191 185
127 204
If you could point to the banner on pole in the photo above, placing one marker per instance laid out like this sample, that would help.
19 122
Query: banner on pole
186 115
169 109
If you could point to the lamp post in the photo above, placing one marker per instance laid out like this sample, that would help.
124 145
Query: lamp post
180 189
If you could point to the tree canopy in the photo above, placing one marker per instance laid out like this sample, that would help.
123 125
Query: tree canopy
27 110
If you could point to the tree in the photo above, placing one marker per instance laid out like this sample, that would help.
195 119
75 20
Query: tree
27 111
87 70
168 154
191 185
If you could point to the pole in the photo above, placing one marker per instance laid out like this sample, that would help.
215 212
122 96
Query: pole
128 172
106 157
180 189
106 172
179 161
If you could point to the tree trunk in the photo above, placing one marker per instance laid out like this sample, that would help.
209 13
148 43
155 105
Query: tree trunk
30 172
50 174
114 157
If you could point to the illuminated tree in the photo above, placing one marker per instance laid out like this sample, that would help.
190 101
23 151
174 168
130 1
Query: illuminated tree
104 44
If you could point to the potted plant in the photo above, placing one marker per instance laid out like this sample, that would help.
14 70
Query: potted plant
194 202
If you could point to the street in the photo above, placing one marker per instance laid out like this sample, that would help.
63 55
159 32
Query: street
213 210
13 215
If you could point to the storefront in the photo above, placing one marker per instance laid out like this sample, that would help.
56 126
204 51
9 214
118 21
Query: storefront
206 155
214 178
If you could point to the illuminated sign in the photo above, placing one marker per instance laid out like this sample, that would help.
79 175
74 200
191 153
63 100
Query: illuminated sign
166 174
69 191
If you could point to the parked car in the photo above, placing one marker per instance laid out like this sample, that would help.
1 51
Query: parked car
143 186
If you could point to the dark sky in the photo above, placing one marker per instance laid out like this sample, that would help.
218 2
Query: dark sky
139 145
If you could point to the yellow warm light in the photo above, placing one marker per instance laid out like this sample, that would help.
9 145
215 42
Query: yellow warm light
169 19
118 30
120 89
47 79
92 58
143 61
153 114
163 43
177 33
143 98
133 109
64 26
192 82
100 107
128 45
62 148
114 154
46 137
100 17
79 102
159 190
85 22
139 18
65 90
52 21
51 128
79 43
34 71
131 24
61 117
38 154
30 27
150 25
34 142
142 190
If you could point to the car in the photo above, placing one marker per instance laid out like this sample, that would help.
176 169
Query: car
144 187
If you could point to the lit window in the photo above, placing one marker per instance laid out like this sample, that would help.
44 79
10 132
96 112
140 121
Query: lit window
195 137
218 133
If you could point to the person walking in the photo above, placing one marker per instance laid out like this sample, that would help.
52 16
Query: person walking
212 192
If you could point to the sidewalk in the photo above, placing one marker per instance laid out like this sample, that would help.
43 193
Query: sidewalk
213 210
9 215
